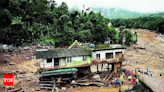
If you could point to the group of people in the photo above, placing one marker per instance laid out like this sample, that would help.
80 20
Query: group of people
131 76
149 73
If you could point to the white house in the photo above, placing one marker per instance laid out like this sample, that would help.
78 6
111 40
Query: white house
108 54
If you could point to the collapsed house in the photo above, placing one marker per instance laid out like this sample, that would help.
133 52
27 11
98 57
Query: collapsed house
71 62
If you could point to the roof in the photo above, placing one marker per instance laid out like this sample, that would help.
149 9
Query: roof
59 72
108 47
62 53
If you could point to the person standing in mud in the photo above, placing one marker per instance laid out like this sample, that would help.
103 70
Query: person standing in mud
116 83
161 73
126 72
134 80
138 73
122 78
129 78
134 73
147 69
129 72
120 81
151 72
137 80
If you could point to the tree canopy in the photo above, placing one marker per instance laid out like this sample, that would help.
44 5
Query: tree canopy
155 23
28 22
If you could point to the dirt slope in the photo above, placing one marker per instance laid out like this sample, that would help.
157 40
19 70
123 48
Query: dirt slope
149 51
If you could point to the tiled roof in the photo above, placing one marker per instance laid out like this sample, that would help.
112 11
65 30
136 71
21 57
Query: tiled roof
62 53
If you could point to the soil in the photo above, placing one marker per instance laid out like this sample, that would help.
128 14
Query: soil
152 56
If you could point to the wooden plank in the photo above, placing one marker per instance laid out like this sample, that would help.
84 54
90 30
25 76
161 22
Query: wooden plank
16 89
46 84
109 76
46 87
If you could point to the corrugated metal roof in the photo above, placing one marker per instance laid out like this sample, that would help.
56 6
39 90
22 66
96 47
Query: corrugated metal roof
62 53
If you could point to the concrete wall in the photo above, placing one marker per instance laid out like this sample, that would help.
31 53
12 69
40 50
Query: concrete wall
103 54
62 62
44 64
76 61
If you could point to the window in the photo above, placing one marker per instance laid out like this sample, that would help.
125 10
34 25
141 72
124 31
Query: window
49 60
118 54
69 59
109 55
84 58
98 56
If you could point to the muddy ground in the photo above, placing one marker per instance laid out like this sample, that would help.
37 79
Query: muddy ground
149 51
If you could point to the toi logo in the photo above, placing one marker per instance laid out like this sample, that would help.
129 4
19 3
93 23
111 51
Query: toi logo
8 80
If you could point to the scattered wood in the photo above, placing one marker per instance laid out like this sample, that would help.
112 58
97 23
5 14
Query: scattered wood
91 83
15 90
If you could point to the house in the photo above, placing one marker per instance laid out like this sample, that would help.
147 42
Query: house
64 58
109 54
82 58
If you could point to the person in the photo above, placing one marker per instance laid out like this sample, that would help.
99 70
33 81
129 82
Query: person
134 80
120 81
161 73
122 78
126 72
138 73
133 73
116 84
123 74
129 78
151 73
137 80
147 69
129 72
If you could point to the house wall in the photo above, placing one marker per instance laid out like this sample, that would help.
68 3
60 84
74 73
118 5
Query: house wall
62 62
44 64
103 54
76 61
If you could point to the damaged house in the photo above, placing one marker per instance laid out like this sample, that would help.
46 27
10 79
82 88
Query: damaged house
81 57
64 58
67 64
109 54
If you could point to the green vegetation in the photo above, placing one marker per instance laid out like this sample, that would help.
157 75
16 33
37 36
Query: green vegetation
114 13
29 22
153 22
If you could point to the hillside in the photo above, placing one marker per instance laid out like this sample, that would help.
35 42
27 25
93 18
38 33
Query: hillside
157 15
115 13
